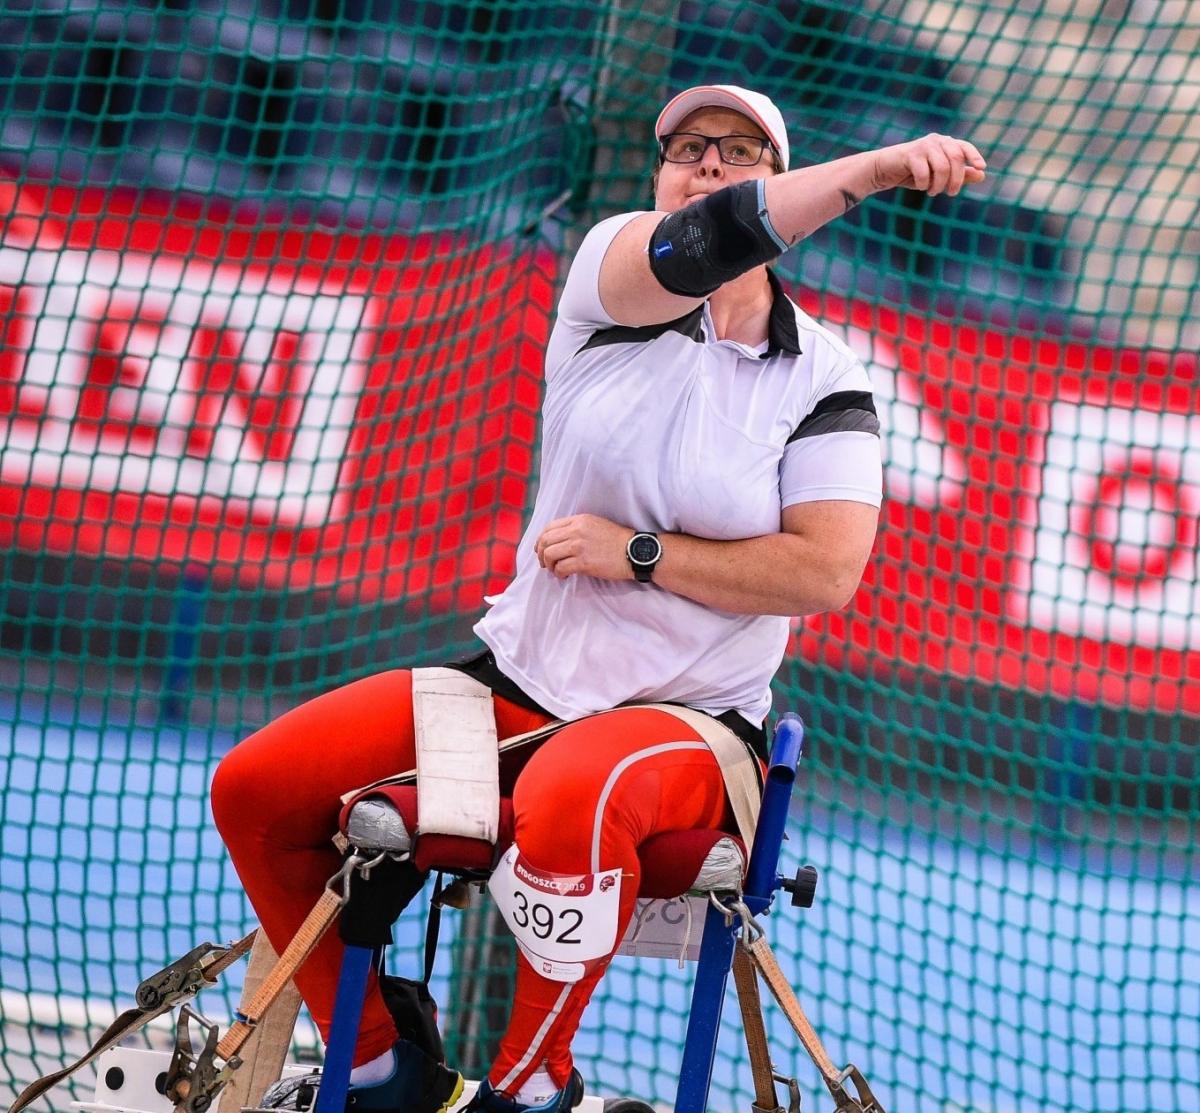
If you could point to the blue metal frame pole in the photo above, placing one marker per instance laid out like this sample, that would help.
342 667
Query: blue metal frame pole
716 947
343 1033
704 1019
761 874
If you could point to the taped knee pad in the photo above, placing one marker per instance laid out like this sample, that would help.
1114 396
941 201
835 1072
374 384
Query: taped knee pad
376 824
697 249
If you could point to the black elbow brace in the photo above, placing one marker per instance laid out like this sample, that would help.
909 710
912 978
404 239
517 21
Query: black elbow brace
697 249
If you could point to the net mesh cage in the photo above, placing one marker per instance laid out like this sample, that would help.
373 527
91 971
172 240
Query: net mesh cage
275 281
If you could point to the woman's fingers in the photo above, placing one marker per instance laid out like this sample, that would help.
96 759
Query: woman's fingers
936 164
557 557
555 532
584 544
955 157
941 168
971 153
968 165
919 173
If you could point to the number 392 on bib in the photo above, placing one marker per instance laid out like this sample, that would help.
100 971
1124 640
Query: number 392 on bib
562 922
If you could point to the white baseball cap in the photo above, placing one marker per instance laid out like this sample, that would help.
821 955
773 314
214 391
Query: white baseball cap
755 106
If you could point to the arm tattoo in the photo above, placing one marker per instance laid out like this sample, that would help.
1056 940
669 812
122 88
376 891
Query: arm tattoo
848 199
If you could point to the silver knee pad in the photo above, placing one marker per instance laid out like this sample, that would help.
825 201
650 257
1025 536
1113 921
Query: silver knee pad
374 824
721 869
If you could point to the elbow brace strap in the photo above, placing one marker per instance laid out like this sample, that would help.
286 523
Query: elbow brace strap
697 249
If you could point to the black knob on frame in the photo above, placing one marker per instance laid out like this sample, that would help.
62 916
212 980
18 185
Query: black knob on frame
803 886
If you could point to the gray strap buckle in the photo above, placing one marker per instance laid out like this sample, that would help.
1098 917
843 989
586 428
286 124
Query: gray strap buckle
866 1101
355 862
750 929
193 1078
793 1105
179 981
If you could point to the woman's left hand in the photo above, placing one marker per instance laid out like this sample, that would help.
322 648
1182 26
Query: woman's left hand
585 545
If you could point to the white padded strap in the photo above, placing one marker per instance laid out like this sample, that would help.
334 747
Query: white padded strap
458 766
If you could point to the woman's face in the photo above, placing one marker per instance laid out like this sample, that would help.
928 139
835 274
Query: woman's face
681 183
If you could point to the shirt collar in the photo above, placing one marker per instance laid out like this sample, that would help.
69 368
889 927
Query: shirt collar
782 333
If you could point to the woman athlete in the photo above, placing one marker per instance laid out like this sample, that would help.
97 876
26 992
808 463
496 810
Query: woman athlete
711 468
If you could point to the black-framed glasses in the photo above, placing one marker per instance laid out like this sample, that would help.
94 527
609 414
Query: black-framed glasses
736 150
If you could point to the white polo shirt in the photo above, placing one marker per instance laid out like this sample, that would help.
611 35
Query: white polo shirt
668 429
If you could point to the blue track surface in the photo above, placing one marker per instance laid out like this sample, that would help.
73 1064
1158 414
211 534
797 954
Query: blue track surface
977 979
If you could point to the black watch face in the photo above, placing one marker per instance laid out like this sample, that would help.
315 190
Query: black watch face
644 549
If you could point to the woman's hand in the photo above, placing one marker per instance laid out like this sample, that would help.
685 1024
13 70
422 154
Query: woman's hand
932 164
585 545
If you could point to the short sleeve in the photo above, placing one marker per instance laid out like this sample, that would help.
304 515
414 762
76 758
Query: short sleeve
834 453
580 313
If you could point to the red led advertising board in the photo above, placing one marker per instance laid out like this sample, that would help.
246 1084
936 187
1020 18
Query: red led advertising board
1040 519
302 410
358 413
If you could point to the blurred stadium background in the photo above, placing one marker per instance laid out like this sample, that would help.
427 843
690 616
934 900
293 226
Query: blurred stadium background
274 278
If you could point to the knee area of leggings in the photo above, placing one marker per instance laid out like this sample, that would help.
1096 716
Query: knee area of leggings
560 833
234 795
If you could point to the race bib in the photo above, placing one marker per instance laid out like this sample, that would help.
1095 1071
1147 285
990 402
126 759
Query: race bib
564 923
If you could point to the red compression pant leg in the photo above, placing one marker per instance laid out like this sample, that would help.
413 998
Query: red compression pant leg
586 800
276 799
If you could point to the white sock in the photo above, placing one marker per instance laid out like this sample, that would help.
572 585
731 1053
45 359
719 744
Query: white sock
539 1087
377 1070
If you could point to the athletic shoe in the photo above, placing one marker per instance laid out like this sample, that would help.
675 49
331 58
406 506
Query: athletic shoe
418 1084
486 1100
299 1092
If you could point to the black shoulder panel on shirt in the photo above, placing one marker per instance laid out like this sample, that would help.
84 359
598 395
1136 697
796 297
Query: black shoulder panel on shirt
846 411
688 325
782 333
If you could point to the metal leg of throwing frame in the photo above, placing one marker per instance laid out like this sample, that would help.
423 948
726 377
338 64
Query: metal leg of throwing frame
343 1033
716 948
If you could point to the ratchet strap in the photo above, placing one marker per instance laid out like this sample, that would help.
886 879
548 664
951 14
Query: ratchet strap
194 1078
757 955
761 1068
303 944
266 1051
157 994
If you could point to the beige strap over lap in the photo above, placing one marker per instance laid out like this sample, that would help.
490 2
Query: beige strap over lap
458 765
736 762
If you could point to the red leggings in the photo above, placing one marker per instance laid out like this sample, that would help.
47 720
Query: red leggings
619 777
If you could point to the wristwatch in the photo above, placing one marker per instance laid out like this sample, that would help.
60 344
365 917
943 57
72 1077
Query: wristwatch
644 552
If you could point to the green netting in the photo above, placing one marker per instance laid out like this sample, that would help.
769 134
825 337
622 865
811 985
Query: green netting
274 281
